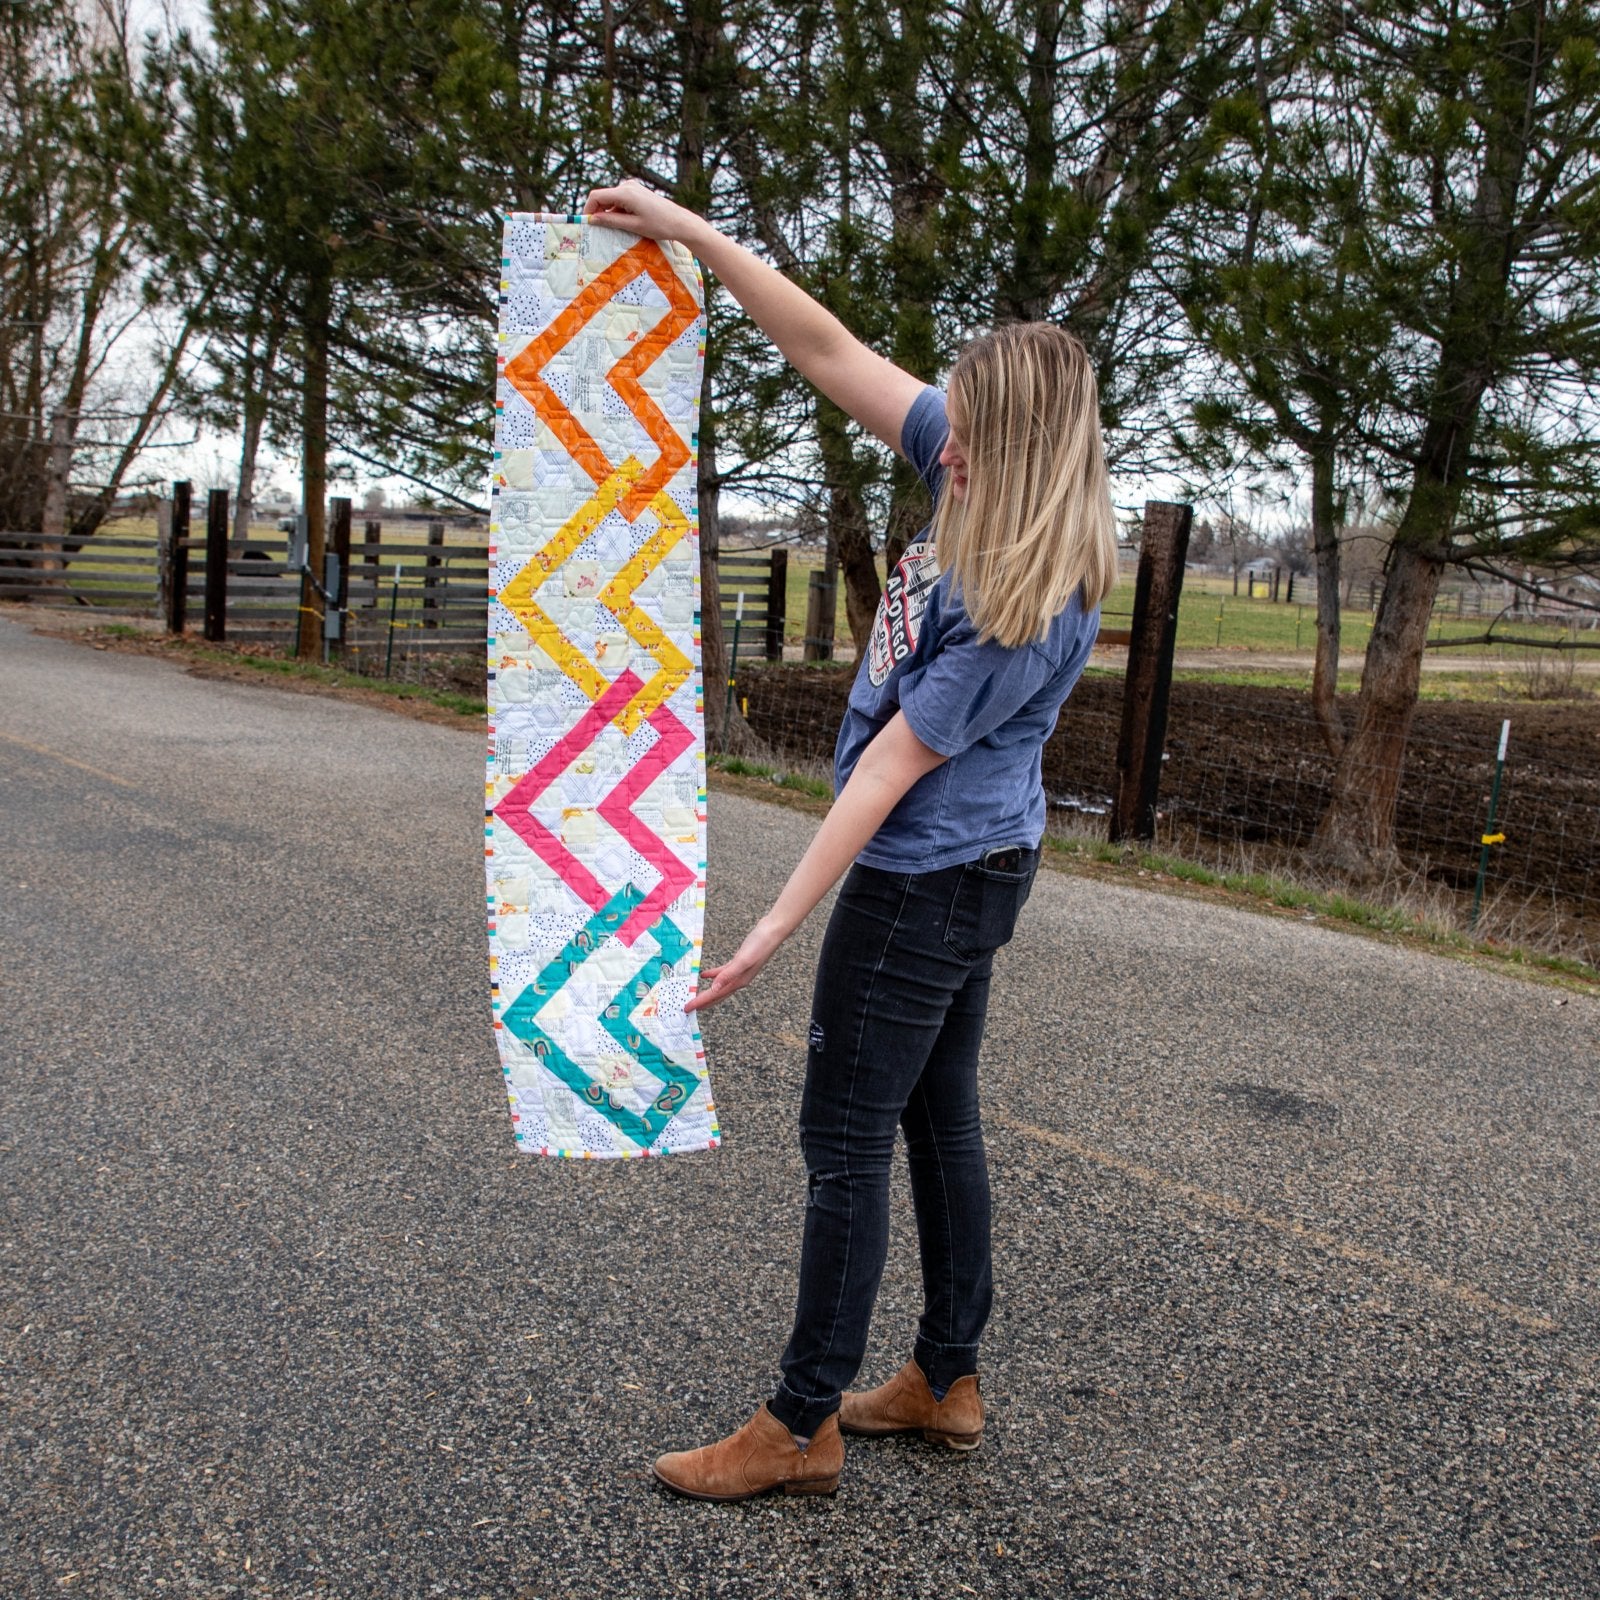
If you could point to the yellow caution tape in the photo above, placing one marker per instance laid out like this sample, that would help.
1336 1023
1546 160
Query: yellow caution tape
1494 838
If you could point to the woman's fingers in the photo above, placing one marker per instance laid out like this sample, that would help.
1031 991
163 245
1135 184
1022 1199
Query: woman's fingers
715 985
629 205
611 205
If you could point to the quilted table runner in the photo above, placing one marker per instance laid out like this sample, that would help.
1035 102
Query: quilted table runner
595 805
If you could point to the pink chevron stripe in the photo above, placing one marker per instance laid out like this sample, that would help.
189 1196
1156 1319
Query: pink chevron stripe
673 738
514 809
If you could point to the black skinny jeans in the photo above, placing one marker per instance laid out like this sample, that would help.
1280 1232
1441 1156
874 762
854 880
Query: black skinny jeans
896 1025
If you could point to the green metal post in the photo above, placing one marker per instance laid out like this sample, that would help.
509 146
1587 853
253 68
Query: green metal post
1489 835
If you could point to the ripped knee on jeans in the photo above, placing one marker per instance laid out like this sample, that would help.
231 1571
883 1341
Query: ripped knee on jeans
814 1180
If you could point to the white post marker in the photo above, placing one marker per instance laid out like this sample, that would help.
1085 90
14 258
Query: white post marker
1489 835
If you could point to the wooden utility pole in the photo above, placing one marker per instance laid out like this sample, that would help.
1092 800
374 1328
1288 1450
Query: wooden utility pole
1162 551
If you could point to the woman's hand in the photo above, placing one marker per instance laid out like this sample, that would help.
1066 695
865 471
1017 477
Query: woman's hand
717 983
634 208
874 391
894 760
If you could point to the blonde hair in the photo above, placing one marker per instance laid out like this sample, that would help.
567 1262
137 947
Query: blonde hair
1036 523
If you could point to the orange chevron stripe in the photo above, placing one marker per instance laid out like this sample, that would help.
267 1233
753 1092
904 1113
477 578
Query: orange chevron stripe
524 371
682 313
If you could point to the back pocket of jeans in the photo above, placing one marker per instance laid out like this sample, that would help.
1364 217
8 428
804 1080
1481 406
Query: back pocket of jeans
984 910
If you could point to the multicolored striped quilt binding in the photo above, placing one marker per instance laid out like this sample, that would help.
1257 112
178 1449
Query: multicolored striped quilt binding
595 801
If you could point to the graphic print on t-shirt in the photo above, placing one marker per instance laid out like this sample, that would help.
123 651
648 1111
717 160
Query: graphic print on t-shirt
899 619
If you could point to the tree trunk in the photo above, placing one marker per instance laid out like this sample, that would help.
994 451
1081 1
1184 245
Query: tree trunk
108 256
58 469
314 447
98 509
702 49
258 387
1325 543
849 529
1029 280
727 732
1356 833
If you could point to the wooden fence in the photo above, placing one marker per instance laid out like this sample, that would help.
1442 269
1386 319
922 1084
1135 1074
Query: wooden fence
434 592
754 589
118 573
392 594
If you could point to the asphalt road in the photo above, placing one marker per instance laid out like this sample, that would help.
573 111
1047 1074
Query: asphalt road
1296 1232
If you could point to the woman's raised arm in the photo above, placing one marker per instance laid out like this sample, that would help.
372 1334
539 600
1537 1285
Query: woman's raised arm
876 392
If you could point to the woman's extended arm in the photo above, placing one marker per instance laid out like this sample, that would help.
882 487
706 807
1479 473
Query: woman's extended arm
888 767
876 392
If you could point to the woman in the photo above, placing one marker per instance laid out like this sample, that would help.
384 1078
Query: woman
984 628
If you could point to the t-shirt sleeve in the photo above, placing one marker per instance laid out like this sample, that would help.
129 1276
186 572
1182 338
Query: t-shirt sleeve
970 689
922 437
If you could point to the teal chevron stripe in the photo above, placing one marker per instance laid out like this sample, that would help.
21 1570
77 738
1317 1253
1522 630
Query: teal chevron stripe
520 1017
680 1082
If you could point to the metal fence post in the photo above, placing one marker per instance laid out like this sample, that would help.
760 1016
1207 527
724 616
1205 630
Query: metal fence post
1146 688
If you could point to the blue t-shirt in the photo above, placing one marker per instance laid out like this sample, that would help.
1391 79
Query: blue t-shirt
988 708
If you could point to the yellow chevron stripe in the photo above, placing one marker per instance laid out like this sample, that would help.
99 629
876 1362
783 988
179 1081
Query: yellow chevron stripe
673 666
517 596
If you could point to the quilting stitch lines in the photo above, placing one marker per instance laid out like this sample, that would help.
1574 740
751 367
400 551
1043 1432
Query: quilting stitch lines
595 799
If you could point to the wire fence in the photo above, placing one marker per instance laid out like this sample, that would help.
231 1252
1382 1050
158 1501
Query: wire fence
1246 777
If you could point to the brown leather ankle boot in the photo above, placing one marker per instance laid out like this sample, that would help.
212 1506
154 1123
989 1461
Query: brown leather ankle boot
905 1403
762 1455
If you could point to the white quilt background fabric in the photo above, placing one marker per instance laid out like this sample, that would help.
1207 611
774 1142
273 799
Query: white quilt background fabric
595 795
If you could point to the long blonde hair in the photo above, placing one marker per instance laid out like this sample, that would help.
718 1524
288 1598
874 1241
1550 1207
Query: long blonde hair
1037 520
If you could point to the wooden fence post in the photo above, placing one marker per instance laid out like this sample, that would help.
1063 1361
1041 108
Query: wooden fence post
163 554
1148 683
777 603
431 606
178 562
822 602
339 539
215 625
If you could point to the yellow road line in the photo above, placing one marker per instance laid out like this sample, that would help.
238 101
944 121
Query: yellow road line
1222 1205
56 755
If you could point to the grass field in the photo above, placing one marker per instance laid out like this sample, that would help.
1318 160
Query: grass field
1211 619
